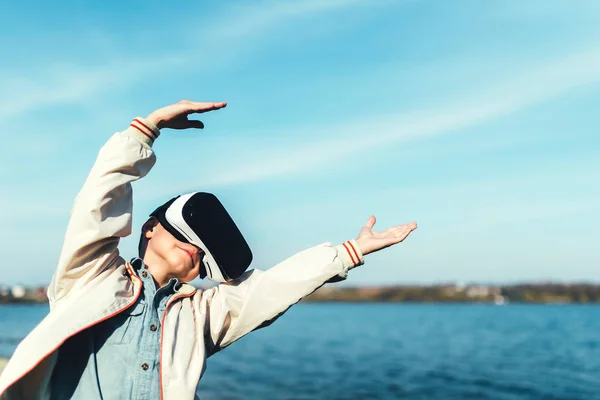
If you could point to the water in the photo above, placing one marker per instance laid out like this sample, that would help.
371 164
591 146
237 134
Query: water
15 322
392 351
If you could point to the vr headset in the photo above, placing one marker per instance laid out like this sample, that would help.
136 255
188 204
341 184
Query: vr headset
200 219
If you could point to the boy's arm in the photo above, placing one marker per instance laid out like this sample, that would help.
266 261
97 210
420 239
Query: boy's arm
258 298
101 214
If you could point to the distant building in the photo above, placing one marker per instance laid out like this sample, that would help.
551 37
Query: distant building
478 291
18 291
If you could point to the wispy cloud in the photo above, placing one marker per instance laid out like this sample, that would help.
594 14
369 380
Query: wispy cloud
237 31
511 197
256 19
69 83
549 80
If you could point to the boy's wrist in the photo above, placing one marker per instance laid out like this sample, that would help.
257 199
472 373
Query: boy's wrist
155 120
143 130
350 254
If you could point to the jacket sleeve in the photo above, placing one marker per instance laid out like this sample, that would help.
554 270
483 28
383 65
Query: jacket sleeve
258 298
101 213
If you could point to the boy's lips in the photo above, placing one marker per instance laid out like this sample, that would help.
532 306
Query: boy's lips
189 253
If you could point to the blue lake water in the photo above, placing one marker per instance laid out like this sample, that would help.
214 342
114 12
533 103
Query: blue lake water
398 351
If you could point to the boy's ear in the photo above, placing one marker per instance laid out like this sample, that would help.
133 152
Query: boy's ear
148 227
147 232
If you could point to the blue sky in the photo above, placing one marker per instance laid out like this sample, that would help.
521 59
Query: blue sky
479 120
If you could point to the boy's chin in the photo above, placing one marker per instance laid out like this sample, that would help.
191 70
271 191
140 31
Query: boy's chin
188 276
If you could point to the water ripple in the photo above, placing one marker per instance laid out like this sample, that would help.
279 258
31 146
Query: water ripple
391 351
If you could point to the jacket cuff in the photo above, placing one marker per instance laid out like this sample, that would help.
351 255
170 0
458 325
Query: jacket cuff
350 254
143 130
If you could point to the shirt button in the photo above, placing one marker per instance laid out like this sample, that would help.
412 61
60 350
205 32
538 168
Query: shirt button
144 366
152 327
145 274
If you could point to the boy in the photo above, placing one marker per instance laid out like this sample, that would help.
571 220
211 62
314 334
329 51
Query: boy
120 330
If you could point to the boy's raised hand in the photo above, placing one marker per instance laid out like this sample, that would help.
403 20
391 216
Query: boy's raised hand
175 116
370 241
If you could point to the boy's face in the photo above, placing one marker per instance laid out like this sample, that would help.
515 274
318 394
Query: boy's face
182 260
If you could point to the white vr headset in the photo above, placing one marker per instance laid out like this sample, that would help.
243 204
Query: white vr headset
200 219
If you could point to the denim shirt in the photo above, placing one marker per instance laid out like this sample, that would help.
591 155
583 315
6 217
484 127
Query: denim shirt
117 358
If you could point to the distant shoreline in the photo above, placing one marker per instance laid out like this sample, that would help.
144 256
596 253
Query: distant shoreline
524 293
538 293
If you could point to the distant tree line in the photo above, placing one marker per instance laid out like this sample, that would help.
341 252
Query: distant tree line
553 293
519 293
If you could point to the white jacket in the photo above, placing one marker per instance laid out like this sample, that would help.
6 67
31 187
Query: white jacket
93 283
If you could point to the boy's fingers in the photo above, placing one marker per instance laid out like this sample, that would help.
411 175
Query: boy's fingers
412 226
195 124
367 228
408 229
184 123
200 107
405 227
402 231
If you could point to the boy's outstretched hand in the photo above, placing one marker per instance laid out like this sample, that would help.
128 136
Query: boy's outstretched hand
175 116
370 242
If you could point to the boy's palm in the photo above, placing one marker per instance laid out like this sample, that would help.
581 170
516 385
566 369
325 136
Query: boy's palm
175 116
370 241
